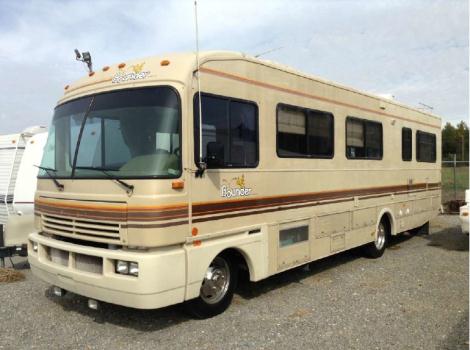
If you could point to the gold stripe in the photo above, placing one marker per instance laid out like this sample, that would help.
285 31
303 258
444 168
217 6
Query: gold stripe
304 94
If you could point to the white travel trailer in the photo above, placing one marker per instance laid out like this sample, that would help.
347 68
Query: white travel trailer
18 155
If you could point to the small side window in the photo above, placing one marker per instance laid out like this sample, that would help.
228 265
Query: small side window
406 144
425 147
293 235
363 139
304 133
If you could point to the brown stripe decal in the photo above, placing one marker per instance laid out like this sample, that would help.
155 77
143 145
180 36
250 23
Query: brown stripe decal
257 203
217 210
311 204
167 224
304 94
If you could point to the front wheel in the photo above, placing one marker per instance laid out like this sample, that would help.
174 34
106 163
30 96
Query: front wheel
217 289
376 249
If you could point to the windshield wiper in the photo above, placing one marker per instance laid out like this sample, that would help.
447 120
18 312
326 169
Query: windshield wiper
130 188
51 172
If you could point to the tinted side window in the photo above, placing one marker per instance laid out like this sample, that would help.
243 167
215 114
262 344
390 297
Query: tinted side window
303 132
363 139
291 132
230 127
425 147
320 134
406 144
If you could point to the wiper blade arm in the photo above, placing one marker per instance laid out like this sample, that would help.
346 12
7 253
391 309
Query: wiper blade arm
50 172
130 188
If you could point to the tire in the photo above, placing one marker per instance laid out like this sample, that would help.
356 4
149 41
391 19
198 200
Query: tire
217 289
376 249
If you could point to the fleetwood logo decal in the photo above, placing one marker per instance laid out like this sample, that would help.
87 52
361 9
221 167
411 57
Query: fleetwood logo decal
235 188
136 74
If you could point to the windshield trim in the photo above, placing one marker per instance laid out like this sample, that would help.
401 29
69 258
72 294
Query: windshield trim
145 177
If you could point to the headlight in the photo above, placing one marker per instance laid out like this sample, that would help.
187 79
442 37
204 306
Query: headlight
127 268
134 269
122 267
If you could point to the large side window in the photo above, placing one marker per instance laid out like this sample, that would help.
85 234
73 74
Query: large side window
229 132
406 144
425 147
303 132
363 139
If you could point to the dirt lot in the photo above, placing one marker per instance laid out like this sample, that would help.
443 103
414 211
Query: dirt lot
414 297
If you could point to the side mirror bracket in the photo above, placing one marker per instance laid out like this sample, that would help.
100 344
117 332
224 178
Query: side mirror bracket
201 168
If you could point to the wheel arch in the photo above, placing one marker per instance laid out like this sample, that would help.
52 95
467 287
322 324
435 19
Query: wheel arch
240 257
387 214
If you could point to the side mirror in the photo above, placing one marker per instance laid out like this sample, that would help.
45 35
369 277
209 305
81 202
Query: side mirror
215 154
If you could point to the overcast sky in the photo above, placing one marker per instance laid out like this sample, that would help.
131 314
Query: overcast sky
416 50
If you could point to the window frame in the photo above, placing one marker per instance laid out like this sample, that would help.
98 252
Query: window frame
363 121
420 132
305 110
229 99
403 129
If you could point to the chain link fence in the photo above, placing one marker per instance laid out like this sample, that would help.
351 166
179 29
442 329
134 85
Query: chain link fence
454 183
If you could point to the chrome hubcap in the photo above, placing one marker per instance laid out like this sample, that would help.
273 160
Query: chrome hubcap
216 281
380 237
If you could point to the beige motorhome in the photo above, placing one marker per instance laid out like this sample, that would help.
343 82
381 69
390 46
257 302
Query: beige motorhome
292 169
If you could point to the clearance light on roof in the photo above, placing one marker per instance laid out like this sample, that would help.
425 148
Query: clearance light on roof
66 87
91 74
121 65
164 63
105 68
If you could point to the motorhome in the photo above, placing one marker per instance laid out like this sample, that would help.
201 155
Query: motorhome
18 154
164 177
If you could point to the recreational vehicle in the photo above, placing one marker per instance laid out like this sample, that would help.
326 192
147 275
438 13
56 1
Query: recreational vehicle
163 177
18 155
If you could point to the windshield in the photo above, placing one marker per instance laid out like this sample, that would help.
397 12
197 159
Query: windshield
129 133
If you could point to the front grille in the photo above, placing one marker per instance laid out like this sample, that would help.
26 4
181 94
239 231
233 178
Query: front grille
89 263
58 256
106 232
82 262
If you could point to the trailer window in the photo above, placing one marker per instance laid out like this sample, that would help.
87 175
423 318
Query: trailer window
303 132
406 144
229 132
425 147
363 139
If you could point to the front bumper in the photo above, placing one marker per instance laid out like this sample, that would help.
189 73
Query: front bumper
90 272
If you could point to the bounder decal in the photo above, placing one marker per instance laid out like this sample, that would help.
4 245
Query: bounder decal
234 187
137 73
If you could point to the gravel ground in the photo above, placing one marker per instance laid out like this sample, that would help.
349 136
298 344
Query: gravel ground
414 297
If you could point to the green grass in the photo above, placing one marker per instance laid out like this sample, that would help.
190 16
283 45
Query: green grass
461 183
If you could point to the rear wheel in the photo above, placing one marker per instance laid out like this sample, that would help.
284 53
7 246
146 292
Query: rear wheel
376 249
217 289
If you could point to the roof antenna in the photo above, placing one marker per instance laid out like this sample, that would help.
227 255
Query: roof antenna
201 166
269 51
425 106
85 57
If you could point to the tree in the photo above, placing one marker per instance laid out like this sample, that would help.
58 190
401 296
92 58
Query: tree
449 144
455 141
462 141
